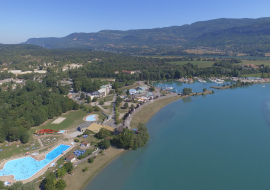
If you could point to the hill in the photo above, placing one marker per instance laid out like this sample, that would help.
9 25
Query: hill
196 34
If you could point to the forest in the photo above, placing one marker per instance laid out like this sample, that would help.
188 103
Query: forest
30 106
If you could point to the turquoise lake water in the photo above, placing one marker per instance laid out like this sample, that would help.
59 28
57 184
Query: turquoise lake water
212 142
25 168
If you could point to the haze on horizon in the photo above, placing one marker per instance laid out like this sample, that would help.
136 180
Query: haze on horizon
21 20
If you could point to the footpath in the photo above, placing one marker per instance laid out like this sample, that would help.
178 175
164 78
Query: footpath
86 158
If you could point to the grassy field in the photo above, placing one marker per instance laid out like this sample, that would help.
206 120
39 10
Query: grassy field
201 64
252 75
256 62
73 119
107 98
10 149
134 86
80 178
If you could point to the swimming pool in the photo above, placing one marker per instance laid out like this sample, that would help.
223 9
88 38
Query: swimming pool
62 131
91 118
25 168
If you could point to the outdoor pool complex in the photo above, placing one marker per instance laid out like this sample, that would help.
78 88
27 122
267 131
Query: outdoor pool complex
91 118
25 168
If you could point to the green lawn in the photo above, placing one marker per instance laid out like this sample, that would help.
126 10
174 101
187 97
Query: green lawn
256 62
252 75
13 150
73 119
201 64
107 98
134 86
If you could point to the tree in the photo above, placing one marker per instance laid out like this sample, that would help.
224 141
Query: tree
49 182
126 139
104 144
97 108
127 92
132 106
101 102
187 91
82 95
103 133
1 185
68 166
24 138
20 186
91 160
76 106
85 169
94 99
61 184
90 109
61 172
204 89
126 105
151 89
88 98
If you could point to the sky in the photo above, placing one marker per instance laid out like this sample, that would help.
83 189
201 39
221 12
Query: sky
24 19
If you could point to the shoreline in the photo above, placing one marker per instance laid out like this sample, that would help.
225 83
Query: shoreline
169 100
146 113
99 170
77 181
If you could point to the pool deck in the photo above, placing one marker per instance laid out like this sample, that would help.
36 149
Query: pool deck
37 157
96 117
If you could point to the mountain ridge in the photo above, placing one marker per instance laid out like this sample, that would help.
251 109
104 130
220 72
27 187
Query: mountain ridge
195 34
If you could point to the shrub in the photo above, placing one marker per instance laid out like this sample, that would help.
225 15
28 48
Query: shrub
76 140
85 169
61 184
91 160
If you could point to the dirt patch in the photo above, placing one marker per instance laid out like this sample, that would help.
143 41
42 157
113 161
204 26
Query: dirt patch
58 120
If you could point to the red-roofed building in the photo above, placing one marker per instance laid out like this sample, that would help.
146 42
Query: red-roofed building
128 72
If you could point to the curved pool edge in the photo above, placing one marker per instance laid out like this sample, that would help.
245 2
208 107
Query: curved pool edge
47 165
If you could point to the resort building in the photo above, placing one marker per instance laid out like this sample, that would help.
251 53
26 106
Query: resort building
128 72
132 91
142 88
96 94
102 92
85 144
94 127
119 130
149 95
84 126
70 158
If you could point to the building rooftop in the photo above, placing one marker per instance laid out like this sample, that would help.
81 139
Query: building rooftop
96 127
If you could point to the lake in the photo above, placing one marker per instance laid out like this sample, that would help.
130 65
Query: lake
218 141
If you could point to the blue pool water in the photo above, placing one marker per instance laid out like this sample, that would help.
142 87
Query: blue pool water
61 131
25 168
91 118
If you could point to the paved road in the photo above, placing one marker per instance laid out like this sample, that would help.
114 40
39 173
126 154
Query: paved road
112 121
128 120
86 158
